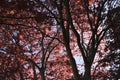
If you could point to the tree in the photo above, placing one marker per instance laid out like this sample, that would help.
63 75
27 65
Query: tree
94 14
74 18
112 58
22 42
110 62
114 45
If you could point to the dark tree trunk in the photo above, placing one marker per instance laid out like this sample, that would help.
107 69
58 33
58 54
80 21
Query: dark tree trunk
87 75
42 73
21 75
34 72
74 69
73 64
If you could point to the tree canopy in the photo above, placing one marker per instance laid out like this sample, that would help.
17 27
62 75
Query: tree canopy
39 39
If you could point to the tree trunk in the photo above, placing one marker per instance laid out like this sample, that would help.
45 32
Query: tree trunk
87 75
74 69
34 72
73 64
42 73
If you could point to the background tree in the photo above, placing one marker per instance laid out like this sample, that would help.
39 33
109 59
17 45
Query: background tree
114 45
23 40
111 60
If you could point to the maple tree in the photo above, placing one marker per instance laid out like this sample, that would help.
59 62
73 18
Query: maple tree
27 34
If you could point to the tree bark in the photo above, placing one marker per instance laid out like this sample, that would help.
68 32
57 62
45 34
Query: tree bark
73 64
74 69
34 72
87 75
42 73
